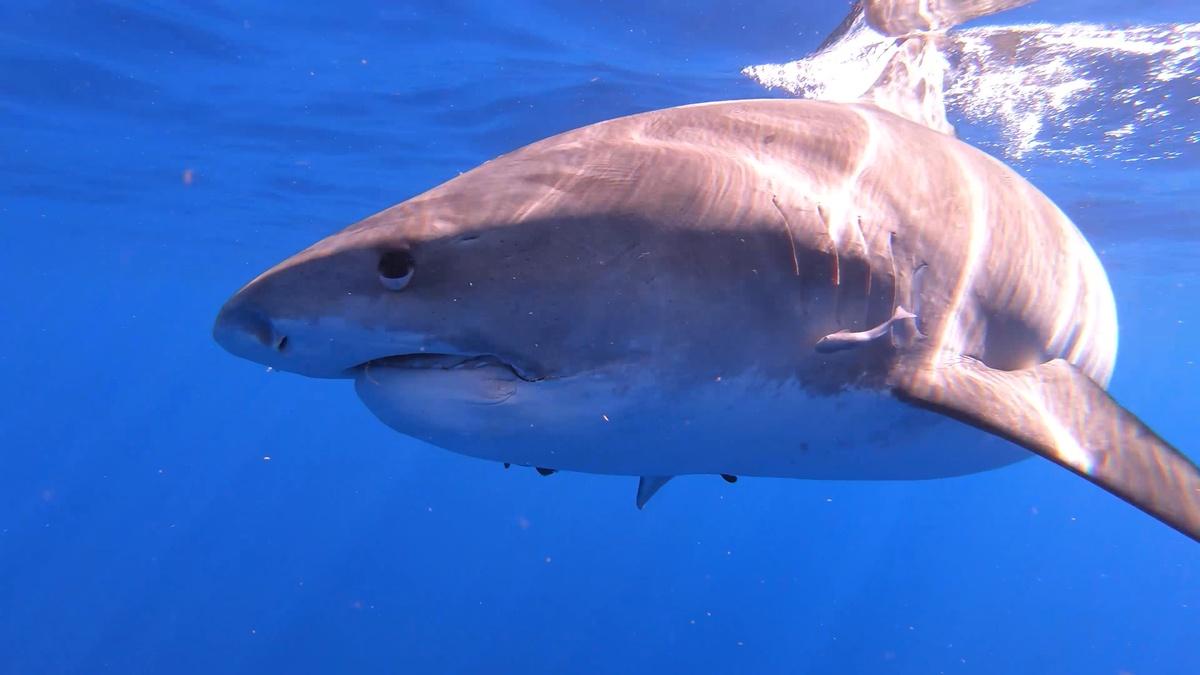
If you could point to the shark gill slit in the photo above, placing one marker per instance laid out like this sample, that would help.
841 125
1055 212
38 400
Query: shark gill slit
862 236
787 226
837 263
894 300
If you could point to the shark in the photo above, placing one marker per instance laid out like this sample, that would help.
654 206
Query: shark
826 290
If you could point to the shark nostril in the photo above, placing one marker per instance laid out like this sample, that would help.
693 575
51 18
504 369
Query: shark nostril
245 330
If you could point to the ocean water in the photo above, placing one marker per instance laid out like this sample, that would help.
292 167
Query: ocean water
167 508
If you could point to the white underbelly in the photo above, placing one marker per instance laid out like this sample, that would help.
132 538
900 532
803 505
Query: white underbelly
749 426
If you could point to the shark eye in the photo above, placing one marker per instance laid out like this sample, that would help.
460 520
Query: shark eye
396 269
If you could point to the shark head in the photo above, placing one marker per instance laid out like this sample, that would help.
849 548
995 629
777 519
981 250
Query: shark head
450 303
405 289
521 298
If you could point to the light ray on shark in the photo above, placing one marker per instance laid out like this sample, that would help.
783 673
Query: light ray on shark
787 288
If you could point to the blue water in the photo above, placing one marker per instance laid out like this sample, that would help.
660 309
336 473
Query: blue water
167 508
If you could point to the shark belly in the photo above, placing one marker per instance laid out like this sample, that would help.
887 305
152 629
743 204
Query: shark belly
746 425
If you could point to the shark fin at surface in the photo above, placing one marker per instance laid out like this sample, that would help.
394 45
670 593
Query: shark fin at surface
896 18
1056 411
893 54
648 486
912 83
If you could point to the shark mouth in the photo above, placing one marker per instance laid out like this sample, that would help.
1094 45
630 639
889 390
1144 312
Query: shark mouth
425 361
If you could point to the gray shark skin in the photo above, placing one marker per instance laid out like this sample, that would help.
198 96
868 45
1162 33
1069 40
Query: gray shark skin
765 287
644 296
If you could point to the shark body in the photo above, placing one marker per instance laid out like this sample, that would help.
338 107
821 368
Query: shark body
766 287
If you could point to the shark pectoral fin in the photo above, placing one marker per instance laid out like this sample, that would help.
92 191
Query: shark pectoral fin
1062 415
647 486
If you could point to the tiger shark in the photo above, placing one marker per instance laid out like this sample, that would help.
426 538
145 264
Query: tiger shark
790 288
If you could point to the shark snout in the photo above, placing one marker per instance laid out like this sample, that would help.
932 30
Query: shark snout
245 330
298 340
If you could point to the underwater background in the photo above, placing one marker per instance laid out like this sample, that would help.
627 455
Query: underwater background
167 508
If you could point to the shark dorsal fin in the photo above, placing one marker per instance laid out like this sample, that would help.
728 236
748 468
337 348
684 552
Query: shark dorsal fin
903 39
903 17
912 83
